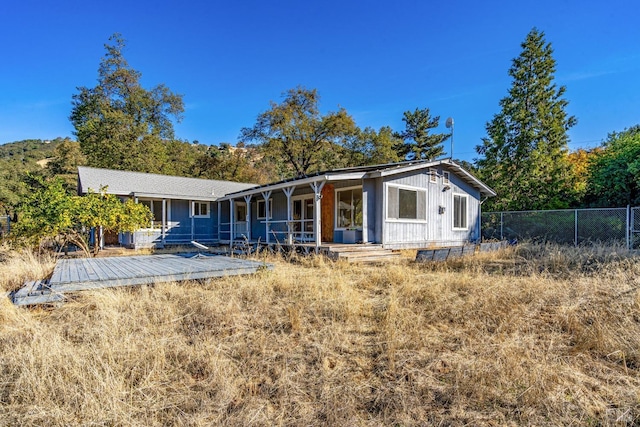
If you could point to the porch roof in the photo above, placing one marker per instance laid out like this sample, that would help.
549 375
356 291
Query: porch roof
138 184
362 172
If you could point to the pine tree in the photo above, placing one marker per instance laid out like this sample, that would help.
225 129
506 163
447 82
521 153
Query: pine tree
418 143
525 151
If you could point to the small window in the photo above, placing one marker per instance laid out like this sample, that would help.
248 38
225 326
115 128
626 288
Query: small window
445 177
201 209
261 209
460 211
406 204
433 175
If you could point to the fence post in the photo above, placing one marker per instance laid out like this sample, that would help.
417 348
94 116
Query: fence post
501 222
628 227
575 238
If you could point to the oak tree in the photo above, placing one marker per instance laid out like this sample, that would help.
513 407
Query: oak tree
297 137
118 123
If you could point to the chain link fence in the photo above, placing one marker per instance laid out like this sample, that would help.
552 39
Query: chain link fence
5 226
619 226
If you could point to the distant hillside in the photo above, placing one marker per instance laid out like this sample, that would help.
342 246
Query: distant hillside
17 158
28 150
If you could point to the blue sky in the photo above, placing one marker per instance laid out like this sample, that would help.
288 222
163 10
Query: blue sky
376 59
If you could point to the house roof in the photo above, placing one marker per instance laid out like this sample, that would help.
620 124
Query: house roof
140 184
373 171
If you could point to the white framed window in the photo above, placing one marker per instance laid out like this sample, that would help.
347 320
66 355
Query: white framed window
349 207
460 211
200 210
406 203
445 177
262 210
433 175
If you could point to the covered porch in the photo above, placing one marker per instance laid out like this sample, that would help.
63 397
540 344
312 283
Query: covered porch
307 213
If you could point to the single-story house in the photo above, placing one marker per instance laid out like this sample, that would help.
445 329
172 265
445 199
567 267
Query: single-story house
413 204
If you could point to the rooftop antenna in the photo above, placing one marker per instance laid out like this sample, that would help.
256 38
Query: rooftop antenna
449 125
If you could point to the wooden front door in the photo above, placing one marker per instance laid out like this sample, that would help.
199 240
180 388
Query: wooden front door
326 213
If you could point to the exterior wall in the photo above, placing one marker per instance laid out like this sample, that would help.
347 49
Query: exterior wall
437 228
181 227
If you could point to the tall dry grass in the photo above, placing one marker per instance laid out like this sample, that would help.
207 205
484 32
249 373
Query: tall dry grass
18 266
527 336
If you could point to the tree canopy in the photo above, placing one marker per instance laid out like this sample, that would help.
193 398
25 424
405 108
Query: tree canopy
118 123
297 137
614 171
524 156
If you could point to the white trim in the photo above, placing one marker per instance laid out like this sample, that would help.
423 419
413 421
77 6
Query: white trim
446 177
405 187
453 212
336 206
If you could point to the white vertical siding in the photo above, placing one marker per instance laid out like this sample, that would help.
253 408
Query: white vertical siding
438 228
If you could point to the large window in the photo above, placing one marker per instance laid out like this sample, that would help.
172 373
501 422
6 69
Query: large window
406 203
460 211
349 207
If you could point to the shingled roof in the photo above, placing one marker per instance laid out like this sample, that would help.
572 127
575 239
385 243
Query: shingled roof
125 183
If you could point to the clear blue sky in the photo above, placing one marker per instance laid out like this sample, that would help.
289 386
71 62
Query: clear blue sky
377 59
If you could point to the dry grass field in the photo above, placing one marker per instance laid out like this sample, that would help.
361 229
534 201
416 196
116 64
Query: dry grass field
534 335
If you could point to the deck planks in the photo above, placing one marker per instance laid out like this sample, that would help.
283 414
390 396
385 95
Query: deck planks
72 275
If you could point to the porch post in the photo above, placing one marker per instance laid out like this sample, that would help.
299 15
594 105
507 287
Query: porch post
365 214
164 220
231 221
193 220
288 192
317 188
247 200
219 219
266 195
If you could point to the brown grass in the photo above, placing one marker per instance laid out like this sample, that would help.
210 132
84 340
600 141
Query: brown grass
18 266
528 336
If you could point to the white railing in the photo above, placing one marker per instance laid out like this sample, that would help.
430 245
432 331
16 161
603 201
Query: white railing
295 231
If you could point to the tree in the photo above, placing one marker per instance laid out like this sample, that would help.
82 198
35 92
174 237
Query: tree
297 138
614 171
525 152
49 212
418 143
67 158
119 124
369 147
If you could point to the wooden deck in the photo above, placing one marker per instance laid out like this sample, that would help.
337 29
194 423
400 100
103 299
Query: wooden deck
71 275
